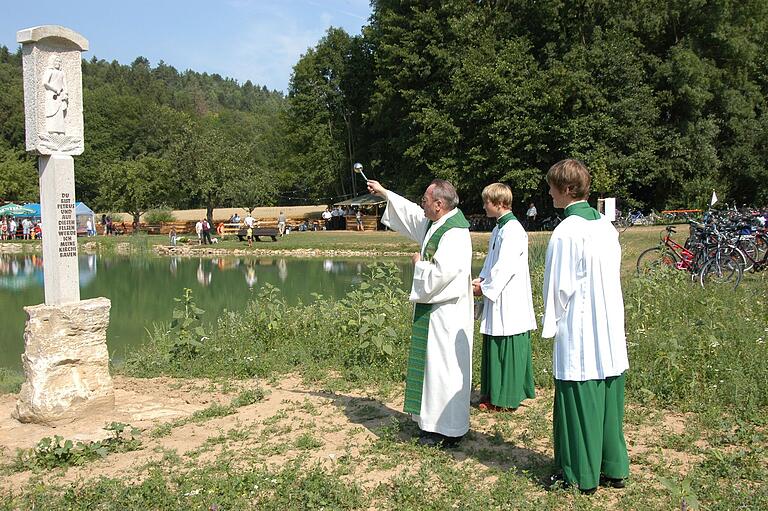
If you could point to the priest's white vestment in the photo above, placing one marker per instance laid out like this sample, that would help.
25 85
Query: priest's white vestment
445 283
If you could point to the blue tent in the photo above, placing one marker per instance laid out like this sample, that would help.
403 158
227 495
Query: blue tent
35 207
82 213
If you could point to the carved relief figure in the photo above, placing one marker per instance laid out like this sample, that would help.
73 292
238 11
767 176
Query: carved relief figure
56 96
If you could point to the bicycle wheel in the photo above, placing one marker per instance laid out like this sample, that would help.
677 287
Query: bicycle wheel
721 271
749 247
737 255
655 259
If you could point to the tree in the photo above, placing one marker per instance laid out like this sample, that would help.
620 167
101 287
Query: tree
18 177
136 186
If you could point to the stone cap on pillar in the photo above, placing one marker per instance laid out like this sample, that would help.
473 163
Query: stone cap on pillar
53 91
35 34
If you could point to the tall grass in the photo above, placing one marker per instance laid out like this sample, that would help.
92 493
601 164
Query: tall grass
691 348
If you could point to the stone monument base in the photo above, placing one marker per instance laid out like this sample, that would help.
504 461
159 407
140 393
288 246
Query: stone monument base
66 363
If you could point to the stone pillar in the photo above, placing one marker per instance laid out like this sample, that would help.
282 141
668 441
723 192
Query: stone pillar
57 209
66 363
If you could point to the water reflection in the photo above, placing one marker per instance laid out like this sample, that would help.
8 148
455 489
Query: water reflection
20 272
142 289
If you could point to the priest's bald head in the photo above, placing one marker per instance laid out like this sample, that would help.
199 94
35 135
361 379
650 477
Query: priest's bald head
439 199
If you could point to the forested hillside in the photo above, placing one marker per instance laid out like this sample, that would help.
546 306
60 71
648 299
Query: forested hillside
664 100
155 137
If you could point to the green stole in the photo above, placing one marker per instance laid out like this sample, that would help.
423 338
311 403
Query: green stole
582 209
417 357
501 222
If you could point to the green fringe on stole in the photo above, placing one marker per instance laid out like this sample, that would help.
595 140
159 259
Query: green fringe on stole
417 359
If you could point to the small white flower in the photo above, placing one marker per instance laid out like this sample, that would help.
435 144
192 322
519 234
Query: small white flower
192 493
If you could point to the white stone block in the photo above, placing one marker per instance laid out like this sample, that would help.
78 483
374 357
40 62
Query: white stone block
66 363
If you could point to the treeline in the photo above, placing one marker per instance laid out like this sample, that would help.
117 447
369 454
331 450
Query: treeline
664 100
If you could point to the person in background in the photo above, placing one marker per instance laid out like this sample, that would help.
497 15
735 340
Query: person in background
327 216
172 236
89 228
12 226
584 312
281 223
199 231
439 374
359 220
206 232
506 377
26 228
530 216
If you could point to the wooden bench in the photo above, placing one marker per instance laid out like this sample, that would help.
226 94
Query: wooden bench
257 232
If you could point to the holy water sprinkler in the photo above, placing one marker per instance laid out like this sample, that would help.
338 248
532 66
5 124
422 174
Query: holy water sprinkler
359 169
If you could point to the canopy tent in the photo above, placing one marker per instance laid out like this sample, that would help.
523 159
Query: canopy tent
82 214
368 204
364 200
12 209
34 209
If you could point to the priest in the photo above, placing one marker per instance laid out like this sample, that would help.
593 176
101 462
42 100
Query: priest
439 375
584 312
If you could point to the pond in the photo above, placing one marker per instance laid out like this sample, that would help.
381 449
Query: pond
142 289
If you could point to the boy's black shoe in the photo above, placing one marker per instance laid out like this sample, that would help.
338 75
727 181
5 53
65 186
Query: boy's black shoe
558 481
612 482
430 439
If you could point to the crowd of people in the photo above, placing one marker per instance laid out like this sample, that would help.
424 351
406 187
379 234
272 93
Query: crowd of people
13 228
335 218
583 313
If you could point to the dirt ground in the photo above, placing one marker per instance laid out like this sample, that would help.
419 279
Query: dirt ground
346 423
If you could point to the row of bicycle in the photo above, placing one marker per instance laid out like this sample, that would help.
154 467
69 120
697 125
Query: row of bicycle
717 251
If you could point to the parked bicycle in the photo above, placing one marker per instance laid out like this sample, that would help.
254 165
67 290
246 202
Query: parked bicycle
549 223
706 257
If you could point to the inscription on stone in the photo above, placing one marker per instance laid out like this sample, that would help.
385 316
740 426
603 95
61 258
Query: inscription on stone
67 226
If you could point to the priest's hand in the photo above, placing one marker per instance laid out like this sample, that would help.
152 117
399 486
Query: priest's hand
416 257
375 188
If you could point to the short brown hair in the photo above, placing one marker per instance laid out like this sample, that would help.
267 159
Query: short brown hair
570 176
498 194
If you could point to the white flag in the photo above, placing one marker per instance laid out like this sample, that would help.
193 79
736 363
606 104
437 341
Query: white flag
714 198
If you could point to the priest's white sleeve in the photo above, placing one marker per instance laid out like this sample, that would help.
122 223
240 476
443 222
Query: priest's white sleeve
559 283
405 217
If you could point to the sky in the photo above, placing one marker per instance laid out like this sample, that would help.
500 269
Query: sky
256 40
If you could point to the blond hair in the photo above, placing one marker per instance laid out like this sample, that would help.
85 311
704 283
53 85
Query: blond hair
570 176
498 194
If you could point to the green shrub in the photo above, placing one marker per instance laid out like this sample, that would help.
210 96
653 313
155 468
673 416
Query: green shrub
58 452
366 334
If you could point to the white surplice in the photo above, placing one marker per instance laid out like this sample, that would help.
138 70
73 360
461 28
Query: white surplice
506 286
583 304
444 282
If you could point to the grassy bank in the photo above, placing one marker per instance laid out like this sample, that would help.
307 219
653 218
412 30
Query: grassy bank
696 410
